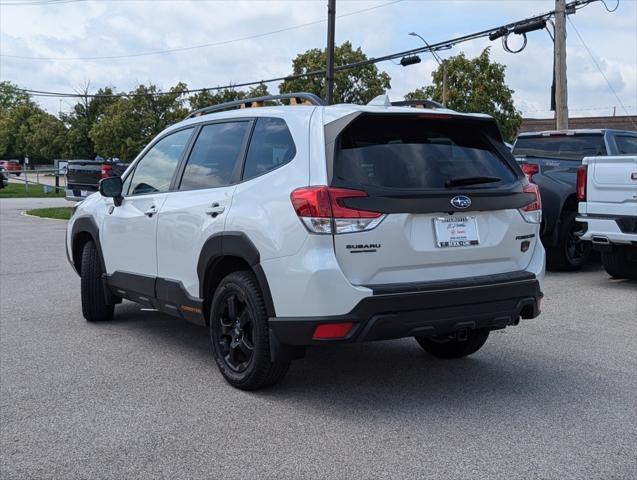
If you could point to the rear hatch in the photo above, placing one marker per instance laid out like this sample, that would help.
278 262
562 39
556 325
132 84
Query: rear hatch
448 194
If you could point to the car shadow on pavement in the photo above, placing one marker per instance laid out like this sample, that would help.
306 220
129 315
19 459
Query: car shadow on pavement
385 377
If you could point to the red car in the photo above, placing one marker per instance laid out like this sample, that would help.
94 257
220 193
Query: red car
10 166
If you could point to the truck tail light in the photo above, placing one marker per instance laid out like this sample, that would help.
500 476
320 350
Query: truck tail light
532 212
529 170
321 210
582 173
105 171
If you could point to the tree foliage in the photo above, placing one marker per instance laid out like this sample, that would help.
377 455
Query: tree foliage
26 129
207 98
86 113
475 85
357 85
130 122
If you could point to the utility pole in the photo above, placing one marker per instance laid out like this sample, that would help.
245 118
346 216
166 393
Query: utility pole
559 51
329 77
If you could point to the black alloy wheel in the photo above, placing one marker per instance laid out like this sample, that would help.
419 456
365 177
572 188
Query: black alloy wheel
235 336
239 334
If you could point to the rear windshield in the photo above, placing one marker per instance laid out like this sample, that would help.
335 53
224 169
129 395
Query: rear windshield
572 147
417 152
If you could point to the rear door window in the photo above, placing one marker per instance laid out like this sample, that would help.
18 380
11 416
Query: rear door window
213 161
414 152
572 147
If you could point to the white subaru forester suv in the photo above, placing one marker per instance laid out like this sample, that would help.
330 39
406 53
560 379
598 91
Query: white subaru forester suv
305 224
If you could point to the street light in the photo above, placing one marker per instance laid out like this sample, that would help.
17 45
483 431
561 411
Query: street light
441 63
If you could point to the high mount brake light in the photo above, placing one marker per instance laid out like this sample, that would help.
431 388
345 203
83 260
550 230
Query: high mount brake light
532 212
321 209
582 174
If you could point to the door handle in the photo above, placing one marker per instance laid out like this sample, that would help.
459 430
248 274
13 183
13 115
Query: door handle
215 209
151 211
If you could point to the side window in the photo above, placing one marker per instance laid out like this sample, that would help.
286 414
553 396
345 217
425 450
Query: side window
626 145
214 156
271 146
155 170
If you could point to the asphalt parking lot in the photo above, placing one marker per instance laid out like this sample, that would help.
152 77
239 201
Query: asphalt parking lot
140 397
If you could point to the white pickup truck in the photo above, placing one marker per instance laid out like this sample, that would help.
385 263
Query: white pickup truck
607 192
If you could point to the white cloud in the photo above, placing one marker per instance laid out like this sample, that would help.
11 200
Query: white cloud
96 28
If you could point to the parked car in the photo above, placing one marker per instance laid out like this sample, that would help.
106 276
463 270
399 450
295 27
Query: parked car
286 226
11 167
607 191
551 159
83 176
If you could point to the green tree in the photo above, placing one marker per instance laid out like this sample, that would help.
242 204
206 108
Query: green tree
84 115
356 85
475 85
206 98
11 96
130 122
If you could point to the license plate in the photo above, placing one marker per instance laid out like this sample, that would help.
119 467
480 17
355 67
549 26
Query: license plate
84 193
456 231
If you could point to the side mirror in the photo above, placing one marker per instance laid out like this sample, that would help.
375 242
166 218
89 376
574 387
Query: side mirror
111 187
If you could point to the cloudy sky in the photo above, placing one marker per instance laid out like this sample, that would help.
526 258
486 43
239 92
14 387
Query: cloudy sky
64 30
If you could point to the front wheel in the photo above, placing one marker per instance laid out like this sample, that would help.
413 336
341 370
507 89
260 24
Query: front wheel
443 348
94 305
239 334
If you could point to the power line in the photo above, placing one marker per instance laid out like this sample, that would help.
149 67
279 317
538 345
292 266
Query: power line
431 47
590 53
203 45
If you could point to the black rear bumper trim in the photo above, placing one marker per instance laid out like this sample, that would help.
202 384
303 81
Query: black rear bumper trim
435 313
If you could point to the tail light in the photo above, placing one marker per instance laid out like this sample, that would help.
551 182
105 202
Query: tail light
321 210
532 212
105 172
529 170
582 173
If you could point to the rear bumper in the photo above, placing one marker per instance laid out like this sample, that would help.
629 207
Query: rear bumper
490 302
603 231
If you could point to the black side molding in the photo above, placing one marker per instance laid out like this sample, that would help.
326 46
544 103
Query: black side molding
80 226
233 244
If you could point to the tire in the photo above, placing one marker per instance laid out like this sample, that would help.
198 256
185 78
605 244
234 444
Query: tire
454 348
618 265
239 334
94 305
570 253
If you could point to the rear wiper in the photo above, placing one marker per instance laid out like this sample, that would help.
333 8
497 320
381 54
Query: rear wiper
456 182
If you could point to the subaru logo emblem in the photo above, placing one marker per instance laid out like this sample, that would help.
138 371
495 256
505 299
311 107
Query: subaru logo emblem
461 201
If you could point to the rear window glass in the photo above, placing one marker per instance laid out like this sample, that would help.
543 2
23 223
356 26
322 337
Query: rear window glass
408 152
573 147
626 145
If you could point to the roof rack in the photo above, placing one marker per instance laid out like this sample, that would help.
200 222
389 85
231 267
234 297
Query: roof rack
418 104
297 98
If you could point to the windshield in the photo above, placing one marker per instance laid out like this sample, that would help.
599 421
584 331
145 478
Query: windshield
416 152
572 147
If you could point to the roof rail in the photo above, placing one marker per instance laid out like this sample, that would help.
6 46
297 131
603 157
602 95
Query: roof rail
418 104
297 98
